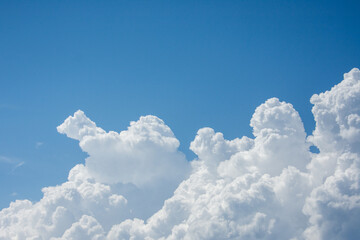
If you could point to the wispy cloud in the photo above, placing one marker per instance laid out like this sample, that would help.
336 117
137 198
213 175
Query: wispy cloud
19 165
38 144
16 163
5 159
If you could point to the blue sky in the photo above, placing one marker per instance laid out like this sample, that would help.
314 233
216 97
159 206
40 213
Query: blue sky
191 63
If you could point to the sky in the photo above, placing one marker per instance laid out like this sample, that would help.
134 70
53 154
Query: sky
192 64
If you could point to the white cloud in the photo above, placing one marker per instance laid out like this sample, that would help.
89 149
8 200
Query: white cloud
86 228
38 144
280 141
16 163
60 207
5 159
145 153
269 187
337 115
334 205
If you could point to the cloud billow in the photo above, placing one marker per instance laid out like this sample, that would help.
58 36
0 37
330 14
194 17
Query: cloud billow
136 184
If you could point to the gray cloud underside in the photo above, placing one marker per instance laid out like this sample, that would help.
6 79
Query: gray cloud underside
136 184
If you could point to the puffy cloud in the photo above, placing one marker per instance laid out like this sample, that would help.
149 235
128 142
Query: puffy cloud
280 141
86 228
212 148
253 193
334 205
61 206
145 153
79 127
268 187
337 115
252 206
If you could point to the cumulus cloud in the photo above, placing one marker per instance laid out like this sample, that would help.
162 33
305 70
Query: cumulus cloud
267 187
145 153
61 207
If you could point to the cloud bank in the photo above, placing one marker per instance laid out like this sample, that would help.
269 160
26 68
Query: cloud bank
136 184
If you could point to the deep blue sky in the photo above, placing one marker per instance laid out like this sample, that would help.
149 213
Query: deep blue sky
191 63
